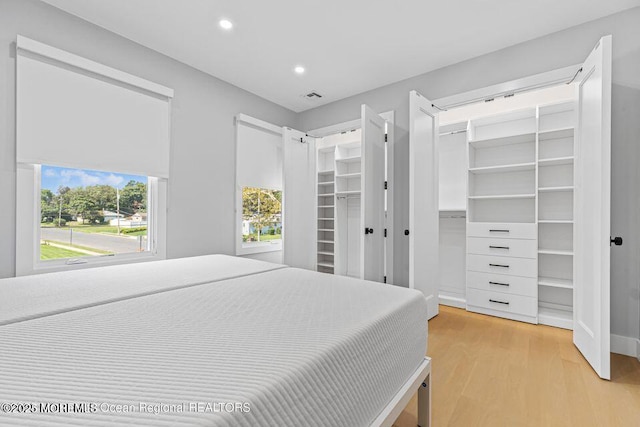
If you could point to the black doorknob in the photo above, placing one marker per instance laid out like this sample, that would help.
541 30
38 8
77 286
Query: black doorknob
406 232
616 241
368 230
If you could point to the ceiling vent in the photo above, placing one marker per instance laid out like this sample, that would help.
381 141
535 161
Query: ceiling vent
313 95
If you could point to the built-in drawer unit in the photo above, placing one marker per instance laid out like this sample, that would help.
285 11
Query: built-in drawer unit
520 248
525 267
502 230
501 302
514 285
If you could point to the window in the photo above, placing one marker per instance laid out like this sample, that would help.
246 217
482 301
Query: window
84 132
261 217
259 186
87 213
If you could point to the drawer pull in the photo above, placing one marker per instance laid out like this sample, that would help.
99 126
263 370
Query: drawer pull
499 302
498 247
498 283
499 265
498 231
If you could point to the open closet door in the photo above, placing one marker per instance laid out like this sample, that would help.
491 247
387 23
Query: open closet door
372 254
591 298
299 200
423 206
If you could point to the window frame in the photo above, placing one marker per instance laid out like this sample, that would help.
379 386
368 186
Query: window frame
274 246
28 218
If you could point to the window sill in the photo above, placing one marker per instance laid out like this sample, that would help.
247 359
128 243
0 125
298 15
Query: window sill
52 266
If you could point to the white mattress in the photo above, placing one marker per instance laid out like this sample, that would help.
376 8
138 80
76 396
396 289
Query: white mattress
301 348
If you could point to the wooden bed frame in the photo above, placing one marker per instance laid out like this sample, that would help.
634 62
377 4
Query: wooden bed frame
420 380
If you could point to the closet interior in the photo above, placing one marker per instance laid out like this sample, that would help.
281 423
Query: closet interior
506 212
340 188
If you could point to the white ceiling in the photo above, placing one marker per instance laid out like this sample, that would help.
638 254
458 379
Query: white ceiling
347 46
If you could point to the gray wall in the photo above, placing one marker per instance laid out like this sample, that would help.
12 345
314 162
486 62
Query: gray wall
554 51
203 133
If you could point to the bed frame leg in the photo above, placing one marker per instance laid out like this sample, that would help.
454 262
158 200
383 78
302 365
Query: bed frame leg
424 402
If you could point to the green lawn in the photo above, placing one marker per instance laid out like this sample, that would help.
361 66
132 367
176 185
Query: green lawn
267 237
86 248
51 252
94 228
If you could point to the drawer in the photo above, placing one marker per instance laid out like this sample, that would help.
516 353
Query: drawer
502 230
525 267
520 248
514 304
515 285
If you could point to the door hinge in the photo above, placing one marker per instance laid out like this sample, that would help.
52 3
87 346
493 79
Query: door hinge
385 279
386 138
385 232
386 185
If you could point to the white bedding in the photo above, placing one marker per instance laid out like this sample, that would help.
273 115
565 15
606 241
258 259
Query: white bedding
301 348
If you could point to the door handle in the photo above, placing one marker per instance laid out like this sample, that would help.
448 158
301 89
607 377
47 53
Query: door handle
498 283
368 230
406 232
499 302
499 265
498 247
616 241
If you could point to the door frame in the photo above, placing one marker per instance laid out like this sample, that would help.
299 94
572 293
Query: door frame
389 116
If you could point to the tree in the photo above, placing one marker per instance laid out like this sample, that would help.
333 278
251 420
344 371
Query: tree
133 197
261 207
82 204
48 209
103 195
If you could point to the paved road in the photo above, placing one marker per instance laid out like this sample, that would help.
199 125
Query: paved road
115 244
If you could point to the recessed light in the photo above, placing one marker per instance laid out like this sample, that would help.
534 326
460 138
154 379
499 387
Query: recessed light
225 24
299 69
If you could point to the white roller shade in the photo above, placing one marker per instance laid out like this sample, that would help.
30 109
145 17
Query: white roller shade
77 113
259 151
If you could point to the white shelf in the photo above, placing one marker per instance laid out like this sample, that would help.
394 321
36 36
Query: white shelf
558 133
555 252
348 193
504 168
326 219
325 172
326 253
326 229
554 161
555 282
555 317
331 242
503 197
555 189
505 140
349 175
326 183
353 159
555 221
325 264
326 206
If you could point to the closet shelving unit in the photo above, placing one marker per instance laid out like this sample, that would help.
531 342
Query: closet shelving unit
520 215
501 218
555 213
326 210
348 156
339 204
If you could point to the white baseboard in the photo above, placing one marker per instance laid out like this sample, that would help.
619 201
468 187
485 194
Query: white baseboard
452 301
626 346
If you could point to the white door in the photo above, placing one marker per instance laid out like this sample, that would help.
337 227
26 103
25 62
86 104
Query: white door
372 210
423 205
592 169
299 200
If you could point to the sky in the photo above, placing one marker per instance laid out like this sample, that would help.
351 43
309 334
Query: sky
53 177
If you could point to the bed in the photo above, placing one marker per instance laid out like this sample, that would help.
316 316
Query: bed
209 341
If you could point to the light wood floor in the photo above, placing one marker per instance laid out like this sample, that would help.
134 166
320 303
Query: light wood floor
493 372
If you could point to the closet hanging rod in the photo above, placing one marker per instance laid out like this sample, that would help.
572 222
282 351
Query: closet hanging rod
453 132
511 93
